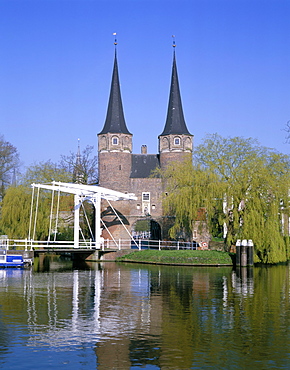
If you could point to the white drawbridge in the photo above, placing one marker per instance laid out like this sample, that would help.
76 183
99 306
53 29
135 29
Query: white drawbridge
82 193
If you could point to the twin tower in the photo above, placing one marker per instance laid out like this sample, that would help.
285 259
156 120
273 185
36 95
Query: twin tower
120 169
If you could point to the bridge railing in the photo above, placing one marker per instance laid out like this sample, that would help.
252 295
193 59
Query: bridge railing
138 244
148 244
26 244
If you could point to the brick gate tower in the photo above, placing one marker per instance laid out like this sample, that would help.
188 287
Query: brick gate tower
120 169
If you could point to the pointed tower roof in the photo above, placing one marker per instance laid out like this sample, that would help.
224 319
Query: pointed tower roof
175 123
115 120
78 173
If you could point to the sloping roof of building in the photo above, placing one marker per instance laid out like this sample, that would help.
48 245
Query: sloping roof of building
115 120
143 165
175 122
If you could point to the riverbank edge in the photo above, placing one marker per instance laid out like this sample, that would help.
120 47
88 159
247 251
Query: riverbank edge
177 263
152 262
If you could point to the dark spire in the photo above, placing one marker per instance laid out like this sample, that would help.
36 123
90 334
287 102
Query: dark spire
78 156
175 123
78 172
115 120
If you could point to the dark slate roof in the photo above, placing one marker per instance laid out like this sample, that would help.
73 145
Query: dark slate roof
143 165
115 120
175 123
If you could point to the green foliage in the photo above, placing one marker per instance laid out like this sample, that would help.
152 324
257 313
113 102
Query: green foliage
179 257
16 208
142 225
45 172
16 205
15 214
9 163
65 234
189 189
241 185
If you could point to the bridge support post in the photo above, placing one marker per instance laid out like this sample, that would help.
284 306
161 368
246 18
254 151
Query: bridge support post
77 206
98 231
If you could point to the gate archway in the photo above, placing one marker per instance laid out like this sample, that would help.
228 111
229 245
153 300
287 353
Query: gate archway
147 229
155 230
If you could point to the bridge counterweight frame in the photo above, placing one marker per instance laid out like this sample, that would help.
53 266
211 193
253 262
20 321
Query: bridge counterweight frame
81 193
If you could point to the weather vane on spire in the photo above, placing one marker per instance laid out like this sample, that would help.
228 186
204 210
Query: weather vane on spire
173 44
115 42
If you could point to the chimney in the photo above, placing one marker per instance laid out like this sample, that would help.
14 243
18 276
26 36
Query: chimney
144 149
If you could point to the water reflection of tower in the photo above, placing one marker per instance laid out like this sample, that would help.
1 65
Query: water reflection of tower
130 314
120 313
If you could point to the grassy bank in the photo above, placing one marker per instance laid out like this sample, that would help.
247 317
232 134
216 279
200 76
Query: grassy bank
181 257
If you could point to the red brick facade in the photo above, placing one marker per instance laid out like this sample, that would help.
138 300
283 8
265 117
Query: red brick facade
121 170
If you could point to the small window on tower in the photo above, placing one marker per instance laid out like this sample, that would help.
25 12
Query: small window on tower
176 141
115 141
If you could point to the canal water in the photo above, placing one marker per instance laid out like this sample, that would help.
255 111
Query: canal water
128 316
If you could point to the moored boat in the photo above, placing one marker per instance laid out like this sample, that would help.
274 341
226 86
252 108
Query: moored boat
10 260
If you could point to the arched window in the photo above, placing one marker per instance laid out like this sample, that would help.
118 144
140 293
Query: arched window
177 141
115 140
165 143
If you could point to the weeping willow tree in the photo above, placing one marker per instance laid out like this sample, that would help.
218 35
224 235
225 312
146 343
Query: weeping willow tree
243 187
265 213
190 189
16 207
15 214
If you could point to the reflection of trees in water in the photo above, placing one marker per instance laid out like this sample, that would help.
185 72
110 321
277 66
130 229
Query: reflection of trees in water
167 316
5 337
209 309
145 351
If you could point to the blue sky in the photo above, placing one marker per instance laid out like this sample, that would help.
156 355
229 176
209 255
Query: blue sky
56 61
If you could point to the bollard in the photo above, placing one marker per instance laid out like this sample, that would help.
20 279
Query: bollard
244 252
250 256
238 252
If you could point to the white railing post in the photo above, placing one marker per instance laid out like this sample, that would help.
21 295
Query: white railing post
159 245
178 245
139 245
119 244
25 244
